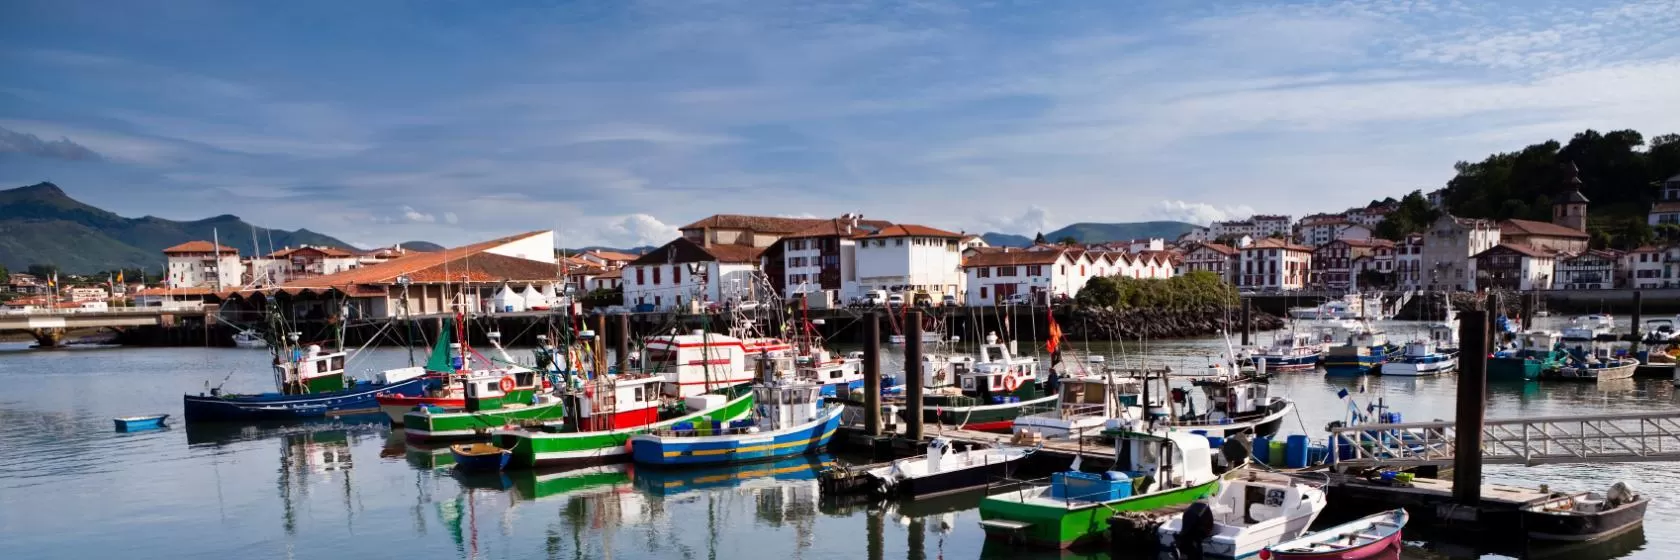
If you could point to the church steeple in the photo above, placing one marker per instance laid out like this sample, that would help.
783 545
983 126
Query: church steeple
1571 212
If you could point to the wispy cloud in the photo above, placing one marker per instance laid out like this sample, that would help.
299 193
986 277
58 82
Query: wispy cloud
12 141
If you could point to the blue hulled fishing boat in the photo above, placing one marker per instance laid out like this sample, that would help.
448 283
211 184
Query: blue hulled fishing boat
789 420
311 384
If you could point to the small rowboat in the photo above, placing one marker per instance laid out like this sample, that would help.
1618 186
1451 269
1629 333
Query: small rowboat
1376 536
480 457
137 423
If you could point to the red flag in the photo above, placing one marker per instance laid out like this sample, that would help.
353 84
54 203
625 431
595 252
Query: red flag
1055 334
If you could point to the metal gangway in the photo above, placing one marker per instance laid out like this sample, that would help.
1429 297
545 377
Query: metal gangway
1600 438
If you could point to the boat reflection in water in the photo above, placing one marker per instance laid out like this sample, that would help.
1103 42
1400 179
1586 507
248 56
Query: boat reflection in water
217 434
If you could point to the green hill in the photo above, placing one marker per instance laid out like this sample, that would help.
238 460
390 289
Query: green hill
1088 232
40 224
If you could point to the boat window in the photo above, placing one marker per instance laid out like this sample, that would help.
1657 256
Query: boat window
321 366
639 396
337 363
968 382
994 381
836 374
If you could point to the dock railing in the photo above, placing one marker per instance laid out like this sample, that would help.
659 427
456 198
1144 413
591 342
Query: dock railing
1600 438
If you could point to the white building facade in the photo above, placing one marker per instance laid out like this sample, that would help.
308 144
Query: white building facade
196 264
910 258
1274 264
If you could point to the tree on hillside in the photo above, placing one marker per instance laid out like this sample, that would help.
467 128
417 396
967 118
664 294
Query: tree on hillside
1618 173
42 271
1067 241
1039 239
1413 215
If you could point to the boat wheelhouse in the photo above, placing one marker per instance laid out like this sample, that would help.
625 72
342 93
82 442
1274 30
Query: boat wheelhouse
1153 470
702 362
984 394
1085 404
1419 359
1294 352
1235 405
1532 354
494 399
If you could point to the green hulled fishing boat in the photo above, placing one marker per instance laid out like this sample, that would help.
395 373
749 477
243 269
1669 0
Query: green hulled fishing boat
492 401
564 444
1162 470
1535 354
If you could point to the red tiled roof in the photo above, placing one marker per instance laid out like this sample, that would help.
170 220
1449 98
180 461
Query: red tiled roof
1666 206
1522 249
199 247
193 291
830 228
614 273
907 230
1543 229
1269 243
1012 257
325 251
431 267
612 255
681 250
1220 248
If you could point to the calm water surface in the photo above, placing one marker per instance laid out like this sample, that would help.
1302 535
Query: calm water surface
72 488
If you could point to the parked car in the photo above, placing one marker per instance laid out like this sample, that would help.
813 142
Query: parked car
896 300
950 300
1019 299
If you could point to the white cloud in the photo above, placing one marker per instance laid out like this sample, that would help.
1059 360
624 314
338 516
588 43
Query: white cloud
1035 219
450 218
412 215
1199 213
636 230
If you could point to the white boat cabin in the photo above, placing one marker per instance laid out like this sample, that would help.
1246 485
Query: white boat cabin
701 362
615 401
993 352
1233 400
309 367
786 406
1174 461
941 371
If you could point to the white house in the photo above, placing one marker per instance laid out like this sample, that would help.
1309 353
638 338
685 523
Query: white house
1274 264
1590 270
292 263
995 276
1408 262
201 263
1667 209
913 258
1319 233
1212 257
683 273
1512 266
1643 268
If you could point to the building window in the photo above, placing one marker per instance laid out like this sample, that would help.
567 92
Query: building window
656 275
1038 270
982 292
676 274
639 278
983 272
898 242
1005 271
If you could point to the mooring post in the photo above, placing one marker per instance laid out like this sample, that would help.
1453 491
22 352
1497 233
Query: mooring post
1528 310
916 539
913 375
623 343
874 529
1638 303
1472 407
600 344
872 374
1247 319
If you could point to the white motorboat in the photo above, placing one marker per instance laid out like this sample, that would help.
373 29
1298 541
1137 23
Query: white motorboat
249 339
1420 359
1245 517
945 471
1659 331
1328 310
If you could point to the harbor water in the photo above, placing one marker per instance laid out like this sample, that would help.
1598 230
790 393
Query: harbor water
72 487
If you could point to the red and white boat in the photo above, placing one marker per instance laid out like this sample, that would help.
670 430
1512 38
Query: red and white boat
701 362
1368 538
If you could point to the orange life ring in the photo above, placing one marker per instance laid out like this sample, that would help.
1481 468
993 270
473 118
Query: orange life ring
1011 383
507 384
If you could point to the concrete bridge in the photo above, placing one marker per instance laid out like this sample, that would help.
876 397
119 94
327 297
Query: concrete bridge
48 326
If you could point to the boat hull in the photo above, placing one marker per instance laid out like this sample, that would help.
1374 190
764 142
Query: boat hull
273 406
1060 526
425 426
1513 369
395 406
1288 363
669 451
842 389
980 417
1580 528
1417 368
1345 366
543 449
473 459
1593 374
140 423
949 482
1264 426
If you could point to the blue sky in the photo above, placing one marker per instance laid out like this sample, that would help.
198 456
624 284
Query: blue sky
614 122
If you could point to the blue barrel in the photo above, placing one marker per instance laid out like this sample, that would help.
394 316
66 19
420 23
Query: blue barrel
1317 454
1262 447
1216 442
1295 452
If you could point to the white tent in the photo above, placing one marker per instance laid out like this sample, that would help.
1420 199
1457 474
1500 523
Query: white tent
507 300
533 297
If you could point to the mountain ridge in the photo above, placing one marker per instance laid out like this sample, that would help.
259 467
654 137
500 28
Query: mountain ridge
1096 232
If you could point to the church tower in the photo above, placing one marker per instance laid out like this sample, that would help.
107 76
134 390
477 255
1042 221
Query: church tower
1571 212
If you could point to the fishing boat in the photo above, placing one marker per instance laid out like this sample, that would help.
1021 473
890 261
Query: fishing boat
138 423
493 399
1532 354
943 470
1349 360
479 457
985 392
701 362
1334 309
249 339
788 420
1236 404
450 364
1421 359
1085 404
1156 469
311 384
1245 517
579 440
1584 516
1593 368
1375 536
1296 352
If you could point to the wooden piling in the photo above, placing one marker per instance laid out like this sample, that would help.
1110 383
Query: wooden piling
1528 310
1247 319
1638 304
1473 331
913 374
872 374
600 344
623 343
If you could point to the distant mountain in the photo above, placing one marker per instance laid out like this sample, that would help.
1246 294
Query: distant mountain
633 250
40 224
1087 232
422 246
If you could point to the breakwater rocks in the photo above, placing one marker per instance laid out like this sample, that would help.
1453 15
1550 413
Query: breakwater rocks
1132 324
